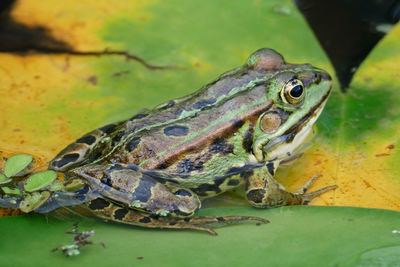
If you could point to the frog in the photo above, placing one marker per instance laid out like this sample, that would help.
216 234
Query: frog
155 169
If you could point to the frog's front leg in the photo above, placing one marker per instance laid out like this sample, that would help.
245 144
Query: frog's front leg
262 190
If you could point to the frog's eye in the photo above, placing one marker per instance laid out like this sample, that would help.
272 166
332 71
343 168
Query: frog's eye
293 91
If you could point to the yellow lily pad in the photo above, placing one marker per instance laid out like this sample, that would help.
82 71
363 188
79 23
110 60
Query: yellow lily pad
296 236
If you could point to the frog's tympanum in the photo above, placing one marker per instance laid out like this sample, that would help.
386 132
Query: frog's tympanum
154 169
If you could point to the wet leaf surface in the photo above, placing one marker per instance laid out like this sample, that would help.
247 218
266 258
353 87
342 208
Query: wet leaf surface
296 236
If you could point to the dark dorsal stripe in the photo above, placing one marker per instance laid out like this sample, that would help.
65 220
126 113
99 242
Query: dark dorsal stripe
131 145
120 214
220 145
145 220
170 104
183 192
143 190
213 187
138 116
186 166
66 159
89 139
118 137
176 130
98 204
247 143
204 102
108 128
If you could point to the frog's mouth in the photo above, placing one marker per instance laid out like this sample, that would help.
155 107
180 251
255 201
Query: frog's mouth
282 147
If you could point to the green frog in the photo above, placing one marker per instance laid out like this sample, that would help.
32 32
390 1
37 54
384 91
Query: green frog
154 169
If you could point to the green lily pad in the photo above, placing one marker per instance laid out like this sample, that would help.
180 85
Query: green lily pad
4 179
17 165
10 191
40 180
296 236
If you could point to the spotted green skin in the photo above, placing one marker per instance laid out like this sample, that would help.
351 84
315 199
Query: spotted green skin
162 162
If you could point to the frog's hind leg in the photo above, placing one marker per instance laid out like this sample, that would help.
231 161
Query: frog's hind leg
75 153
109 211
131 196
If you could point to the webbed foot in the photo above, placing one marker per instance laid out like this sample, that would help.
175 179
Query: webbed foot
220 221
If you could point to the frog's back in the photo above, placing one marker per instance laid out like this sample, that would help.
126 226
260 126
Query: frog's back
160 137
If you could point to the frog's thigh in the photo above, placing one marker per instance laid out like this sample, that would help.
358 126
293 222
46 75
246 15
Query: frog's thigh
135 190
107 210
262 190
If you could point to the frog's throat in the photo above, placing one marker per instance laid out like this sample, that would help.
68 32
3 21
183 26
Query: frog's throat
279 146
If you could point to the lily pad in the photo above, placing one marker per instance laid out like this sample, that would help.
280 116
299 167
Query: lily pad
57 186
296 236
17 165
40 180
4 179
357 145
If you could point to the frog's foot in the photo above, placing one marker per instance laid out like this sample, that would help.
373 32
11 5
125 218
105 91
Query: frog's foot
223 219
204 222
263 192
307 197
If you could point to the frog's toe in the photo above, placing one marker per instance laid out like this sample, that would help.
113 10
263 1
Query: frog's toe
306 198
222 220
308 184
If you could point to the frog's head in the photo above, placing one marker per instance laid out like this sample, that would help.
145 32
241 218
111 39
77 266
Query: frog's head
298 94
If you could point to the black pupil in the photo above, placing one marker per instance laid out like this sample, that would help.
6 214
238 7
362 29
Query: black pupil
296 91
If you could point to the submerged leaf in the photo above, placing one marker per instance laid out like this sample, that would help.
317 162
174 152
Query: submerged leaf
40 180
296 236
17 165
